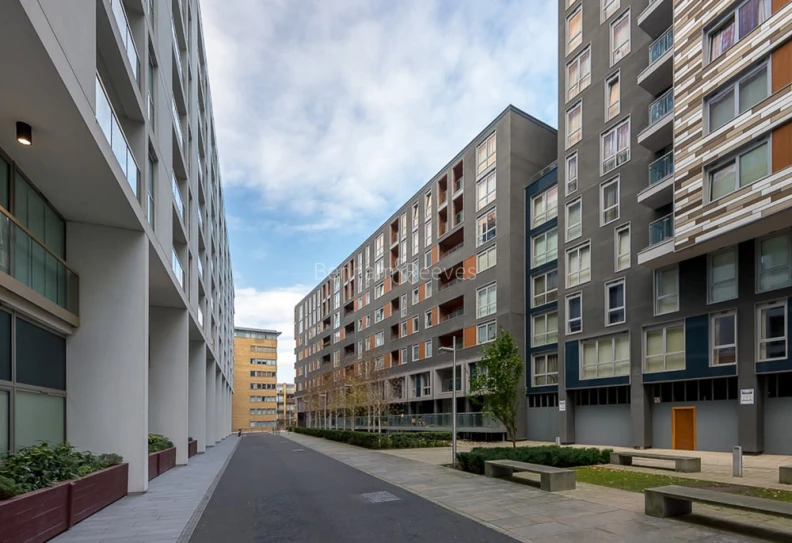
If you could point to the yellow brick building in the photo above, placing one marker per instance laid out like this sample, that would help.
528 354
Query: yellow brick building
254 407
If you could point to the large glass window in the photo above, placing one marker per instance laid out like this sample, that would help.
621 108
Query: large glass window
38 417
487 300
724 338
5 422
544 369
773 262
620 38
609 201
616 146
486 227
612 97
665 348
605 357
578 265
574 313
485 191
772 331
574 126
615 304
40 357
485 154
739 171
5 183
574 219
579 73
609 7
545 206
622 248
5 346
574 30
486 332
666 284
545 329
545 288
736 25
572 173
722 277
738 97
545 247
486 259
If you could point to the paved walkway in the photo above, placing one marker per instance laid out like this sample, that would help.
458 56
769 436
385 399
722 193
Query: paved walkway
164 511
589 514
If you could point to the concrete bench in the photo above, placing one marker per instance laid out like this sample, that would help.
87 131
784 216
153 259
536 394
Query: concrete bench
551 479
674 501
785 475
683 464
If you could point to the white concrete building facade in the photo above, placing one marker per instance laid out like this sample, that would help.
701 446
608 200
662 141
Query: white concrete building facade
116 292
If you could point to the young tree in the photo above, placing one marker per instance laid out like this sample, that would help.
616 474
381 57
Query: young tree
496 381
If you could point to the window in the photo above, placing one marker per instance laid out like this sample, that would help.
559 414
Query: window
379 245
416 272
415 352
738 97
379 290
615 305
379 314
622 248
428 205
415 324
379 339
545 206
612 96
429 348
415 246
428 233
403 226
578 265
403 329
615 146
485 155
665 348
574 30
486 227
415 296
773 265
739 171
545 288
428 289
368 321
609 201
337 319
579 73
545 247
772 333
428 259
666 284
360 348
428 319
620 38
545 329
722 275
609 7
605 357
486 259
487 300
724 338
574 219
415 218
485 191
403 305
544 369
574 127
736 25
486 332
574 313
571 173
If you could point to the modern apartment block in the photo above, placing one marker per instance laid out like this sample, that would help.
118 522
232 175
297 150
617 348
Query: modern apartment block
115 278
445 269
287 410
255 379
674 270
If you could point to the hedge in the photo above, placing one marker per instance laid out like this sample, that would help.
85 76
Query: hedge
546 455
157 443
405 440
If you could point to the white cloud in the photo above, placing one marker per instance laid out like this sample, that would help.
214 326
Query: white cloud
272 309
335 112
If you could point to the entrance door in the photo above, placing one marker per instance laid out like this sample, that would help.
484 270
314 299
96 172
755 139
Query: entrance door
683 428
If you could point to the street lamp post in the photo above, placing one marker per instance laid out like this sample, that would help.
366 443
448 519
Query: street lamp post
324 395
452 349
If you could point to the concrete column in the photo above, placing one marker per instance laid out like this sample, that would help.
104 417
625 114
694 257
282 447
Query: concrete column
218 380
566 418
197 403
169 377
640 408
107 369
210 403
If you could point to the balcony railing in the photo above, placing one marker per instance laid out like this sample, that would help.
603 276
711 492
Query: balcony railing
450 283
445 384
661 45
661 107
661 230
454 314
177 197
459 184
108 121
458 218
177 52
177 268
414 422
30 262
126 35
200 268
661 168
177 122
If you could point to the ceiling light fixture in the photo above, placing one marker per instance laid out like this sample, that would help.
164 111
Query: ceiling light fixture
24 133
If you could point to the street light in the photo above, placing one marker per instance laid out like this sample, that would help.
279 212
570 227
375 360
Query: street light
324 395
453 349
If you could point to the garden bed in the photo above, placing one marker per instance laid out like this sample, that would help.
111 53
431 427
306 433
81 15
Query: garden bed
404 440
161 461
192 448
545 455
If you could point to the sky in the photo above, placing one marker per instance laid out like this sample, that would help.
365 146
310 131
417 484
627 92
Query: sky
330 114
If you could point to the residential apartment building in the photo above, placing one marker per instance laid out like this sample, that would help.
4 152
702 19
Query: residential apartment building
675 268
287 410
255 380
445 270
115 277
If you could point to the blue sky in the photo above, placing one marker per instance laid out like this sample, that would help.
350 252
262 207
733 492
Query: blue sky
331 113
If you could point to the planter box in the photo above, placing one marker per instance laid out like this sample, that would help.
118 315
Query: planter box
36 516
167 459
153 470
96 491
192 448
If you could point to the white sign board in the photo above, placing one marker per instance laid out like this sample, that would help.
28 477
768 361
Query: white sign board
562 405
746 396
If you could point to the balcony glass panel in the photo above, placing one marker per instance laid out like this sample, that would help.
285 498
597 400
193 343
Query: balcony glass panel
177 197
177 122
661 45
176 51
177 268
661 168
445 385
661 230
126 35
661 107
108 121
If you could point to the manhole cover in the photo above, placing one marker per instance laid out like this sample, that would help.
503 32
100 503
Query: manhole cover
298 450
379 497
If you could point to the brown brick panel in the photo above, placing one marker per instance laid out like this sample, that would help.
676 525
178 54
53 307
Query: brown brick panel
192 448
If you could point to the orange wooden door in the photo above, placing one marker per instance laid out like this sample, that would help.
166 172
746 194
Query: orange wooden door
683 428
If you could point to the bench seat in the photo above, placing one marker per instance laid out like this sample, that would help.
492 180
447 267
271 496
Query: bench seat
551 479
675 500
682 464
785 475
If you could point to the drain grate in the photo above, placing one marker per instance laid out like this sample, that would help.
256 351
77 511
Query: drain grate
379 497
298 450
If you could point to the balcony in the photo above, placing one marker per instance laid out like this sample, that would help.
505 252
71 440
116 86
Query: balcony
108 122
659 74
661 240
451 243
451 309
177 197
176 266
660 132
660 191
126 36
657 16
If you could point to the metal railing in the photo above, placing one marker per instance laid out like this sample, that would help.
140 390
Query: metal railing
450 283
454 314
453 249
126 35
661 230
661 45
413 422
108 122
459 184
661 107
661 168
459 217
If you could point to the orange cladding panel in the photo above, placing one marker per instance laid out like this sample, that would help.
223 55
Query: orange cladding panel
422 351
388 284
778 4
387 360
435 254
421 292
436 315
782 147
470 337
387 311
469 266
782 66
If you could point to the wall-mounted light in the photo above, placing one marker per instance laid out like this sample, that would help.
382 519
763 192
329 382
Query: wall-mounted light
24 133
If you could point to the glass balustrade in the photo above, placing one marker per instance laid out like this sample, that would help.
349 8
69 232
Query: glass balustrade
177 197
177 123
661 230
126 35
108 121
661 107
661 168
661 45
177 268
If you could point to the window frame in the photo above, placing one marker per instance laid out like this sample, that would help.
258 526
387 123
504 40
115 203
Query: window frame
628 43
616 255
568 320
549 213
596 341
491 305
713 347
577 249
428 319
547 334
721 23
567 180
579 132
734 88
490 195
490 155
546 374
626 152
488 255
664 327
578 86
427 290
758 324
485 326
734 158
545 260
567 223
381 312
604 16
758 255
615 76
568 37
547 292
608 310
710 284
490 233
657 313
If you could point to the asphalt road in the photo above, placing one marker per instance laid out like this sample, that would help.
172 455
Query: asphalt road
276 490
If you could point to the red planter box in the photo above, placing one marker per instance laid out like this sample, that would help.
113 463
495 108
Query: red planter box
153 470
96 491
36 516
167 459
192 448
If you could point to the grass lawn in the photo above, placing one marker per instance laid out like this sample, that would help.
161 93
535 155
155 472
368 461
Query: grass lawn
635 481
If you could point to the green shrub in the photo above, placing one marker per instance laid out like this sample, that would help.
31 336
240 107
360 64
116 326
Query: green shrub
8 488
157 443
109 459
405 440
546 455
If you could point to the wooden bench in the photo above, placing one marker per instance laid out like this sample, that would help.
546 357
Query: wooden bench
785 475
674 501
551 479
683 464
